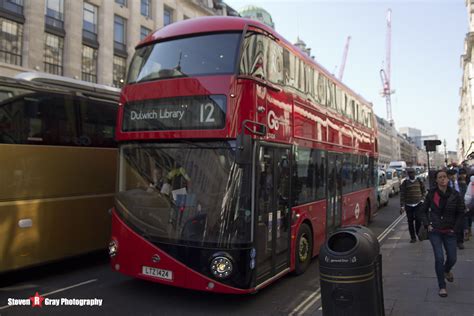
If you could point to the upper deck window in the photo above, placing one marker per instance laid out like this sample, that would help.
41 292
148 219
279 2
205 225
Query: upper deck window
192 56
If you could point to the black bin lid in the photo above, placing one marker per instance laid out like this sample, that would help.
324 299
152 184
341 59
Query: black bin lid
353 246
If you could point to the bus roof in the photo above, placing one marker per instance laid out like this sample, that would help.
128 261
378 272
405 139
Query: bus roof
211 24
88 88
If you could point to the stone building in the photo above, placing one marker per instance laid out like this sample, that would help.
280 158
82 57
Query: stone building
389 145
257 13
465 144
91 40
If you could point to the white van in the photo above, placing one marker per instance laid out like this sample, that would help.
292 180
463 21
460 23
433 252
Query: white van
397 165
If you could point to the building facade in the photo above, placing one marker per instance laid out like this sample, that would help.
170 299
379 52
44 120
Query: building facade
452 157
257 13
389 146
91 40
413 133
465 143
406 150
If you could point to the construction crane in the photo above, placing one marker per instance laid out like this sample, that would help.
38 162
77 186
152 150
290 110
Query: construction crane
385 73
344 58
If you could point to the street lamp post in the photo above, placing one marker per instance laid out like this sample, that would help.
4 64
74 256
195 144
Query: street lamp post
445 154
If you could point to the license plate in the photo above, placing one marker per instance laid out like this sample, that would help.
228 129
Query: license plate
158 273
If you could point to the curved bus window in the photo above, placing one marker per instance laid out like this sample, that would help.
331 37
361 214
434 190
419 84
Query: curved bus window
191 56
254 52
25 118
275 63
97 123
45 118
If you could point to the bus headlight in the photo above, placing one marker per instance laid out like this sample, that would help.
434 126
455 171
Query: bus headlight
221 267
113 248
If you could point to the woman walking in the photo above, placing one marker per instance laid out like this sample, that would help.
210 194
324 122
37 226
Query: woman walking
443 213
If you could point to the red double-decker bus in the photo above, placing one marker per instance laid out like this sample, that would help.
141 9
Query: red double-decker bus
238 154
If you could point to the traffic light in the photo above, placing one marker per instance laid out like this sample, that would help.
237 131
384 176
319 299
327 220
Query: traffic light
430 145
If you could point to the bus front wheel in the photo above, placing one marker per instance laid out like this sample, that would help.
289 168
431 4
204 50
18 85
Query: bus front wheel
304 249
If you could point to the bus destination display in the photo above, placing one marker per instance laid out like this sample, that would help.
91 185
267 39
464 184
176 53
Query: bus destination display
180 113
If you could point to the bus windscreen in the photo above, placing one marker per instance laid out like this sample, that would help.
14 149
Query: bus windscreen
184 192
212 54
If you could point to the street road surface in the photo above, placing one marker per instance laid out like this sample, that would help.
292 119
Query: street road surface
90 277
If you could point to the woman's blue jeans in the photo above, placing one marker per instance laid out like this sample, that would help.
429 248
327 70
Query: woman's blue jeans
438 240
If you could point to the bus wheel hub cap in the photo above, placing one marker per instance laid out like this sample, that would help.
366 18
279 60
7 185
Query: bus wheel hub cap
303 248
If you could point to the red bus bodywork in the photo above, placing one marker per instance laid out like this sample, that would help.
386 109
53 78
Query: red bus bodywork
300 123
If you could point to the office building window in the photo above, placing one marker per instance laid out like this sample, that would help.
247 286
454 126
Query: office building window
89 25
89 64
14 6
54 15
145 8
121 2
144 32
53 54
167 16
11 42
119 33
120 65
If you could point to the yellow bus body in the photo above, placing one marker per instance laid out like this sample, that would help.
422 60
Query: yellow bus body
54 202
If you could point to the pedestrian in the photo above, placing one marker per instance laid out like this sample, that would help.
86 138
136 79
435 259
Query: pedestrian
462 185
469 201
452 180
442 213
412 192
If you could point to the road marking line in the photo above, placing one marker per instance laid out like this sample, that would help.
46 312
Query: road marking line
304 302
57 291
316 296
389 229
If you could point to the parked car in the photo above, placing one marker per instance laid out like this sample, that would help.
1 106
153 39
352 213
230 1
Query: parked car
420 173
383 189
402 174
393 181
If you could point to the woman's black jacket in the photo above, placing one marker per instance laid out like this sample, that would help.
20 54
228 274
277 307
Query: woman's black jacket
443 210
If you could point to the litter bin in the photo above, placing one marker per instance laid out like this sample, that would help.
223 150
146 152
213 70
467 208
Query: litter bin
350 268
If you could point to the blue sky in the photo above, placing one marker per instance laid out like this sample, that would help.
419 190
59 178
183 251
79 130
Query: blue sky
427 42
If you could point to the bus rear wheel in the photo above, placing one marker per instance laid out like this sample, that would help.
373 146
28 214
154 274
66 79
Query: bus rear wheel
304 249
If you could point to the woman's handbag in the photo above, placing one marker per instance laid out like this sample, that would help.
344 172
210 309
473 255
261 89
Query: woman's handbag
423 233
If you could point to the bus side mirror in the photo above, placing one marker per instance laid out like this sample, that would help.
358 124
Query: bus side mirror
243 153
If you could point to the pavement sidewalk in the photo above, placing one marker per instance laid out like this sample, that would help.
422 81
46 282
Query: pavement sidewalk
409 278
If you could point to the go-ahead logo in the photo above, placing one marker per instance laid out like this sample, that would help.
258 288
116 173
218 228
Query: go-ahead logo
273 122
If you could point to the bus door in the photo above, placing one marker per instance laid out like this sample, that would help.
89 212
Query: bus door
272 209
334 194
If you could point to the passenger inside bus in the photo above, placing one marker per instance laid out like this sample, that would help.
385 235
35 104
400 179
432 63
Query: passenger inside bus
158 182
